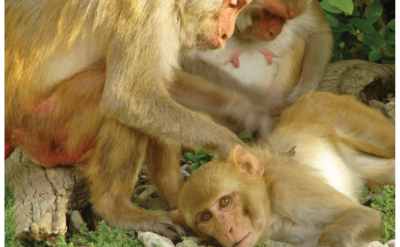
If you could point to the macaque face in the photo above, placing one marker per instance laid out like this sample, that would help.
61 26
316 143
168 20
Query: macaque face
264 19
226 221
223 25
215 201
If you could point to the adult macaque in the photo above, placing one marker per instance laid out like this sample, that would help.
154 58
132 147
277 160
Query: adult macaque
270 59
307 196
55 109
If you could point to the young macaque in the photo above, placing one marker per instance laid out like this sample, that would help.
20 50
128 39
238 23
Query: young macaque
87 81
305 191
270 59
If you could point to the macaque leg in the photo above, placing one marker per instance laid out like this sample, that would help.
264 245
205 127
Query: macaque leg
163 159
112 184
377 171
354 226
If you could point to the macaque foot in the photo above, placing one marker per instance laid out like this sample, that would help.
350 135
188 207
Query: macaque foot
234 58
268 54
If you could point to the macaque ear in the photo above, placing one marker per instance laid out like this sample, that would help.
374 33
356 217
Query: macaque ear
246 161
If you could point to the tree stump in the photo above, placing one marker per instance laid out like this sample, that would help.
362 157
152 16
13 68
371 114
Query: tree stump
42 198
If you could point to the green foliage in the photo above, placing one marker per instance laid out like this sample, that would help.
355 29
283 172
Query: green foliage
105 236
246 137
358 25
9 216
386 206
198 159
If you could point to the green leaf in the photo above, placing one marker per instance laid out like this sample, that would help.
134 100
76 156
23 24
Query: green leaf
364 25
350 28
192 157
337 37
375 55
244 134
359 3
348 55
336 50
367 49
391 24
373 12
341 28
356 12
201 152
374 40
355 41
194 166
202 162
345 5
390 61
332 21
328 7
336 59
389 52
391 38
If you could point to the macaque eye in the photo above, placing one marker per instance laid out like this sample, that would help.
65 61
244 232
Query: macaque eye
206 217
224 202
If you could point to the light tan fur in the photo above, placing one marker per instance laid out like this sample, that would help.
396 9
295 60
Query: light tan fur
308 197
87 81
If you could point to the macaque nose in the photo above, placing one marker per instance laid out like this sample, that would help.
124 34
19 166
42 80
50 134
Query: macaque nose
222 40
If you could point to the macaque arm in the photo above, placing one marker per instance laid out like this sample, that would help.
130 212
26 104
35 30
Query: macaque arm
135 94
224 105
318 53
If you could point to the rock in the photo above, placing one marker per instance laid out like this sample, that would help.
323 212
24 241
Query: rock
389 110
75 222
391 243
150 239
364 79
187 243
185 171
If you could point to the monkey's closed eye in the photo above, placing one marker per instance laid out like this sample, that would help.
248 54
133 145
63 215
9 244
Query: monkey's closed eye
206 217
225 201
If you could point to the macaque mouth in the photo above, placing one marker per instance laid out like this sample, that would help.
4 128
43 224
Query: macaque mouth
236 244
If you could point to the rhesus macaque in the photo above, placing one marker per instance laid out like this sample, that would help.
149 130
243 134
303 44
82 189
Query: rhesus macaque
57 52
304 192
270 59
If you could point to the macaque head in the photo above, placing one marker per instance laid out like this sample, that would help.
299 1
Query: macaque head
264 19
211 22
225 202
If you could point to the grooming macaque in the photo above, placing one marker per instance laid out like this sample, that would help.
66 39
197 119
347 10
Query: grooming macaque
270 59
59 52
306 190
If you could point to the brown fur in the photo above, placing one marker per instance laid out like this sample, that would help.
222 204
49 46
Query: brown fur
87 81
